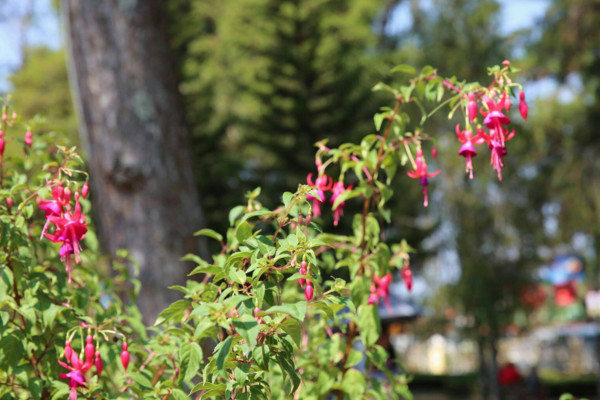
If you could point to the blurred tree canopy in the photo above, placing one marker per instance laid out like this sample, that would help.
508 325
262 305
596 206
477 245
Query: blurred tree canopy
263 80
41 87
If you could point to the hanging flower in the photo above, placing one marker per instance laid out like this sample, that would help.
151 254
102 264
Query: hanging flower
321 185
522 105
467 150
77 367
338 189
70 225
495 120
420 172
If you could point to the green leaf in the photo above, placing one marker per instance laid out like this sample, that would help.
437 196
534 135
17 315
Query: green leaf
322 306
347 194
378 120
261 356
288 367
205 269
142 380
178 394
209 233
292 328
223 354
238 276
11 351
354 358
404 68
248 328
287 197
243 231
175 309
369 324
354 383
195 357
234 213
212 387
384 87
297 310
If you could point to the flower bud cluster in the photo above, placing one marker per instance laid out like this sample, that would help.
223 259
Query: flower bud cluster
78 368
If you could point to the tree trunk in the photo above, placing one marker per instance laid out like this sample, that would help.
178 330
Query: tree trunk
135 137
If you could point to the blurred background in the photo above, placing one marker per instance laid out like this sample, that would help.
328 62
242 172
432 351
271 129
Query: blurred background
506 300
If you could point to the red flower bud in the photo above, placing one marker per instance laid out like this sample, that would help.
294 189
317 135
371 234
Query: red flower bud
99 363
472 107
68 350
9 203
407 277
89 350
125 356
2 146
67 195
4 117
85 189
434 152
308 291
256 311
522 105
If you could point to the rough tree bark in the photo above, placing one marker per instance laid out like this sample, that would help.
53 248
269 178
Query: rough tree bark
135 137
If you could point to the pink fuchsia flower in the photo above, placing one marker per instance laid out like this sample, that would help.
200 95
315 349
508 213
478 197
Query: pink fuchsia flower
2 144
498 149
70 228
28 138
380 289
321 185
522 105
467 150
77 367
421 173
338 189
495 120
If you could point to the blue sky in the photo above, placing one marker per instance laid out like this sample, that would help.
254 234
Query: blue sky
45 29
